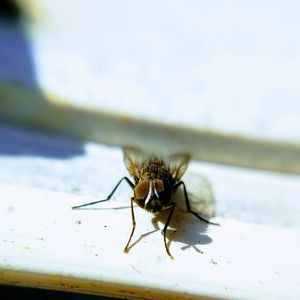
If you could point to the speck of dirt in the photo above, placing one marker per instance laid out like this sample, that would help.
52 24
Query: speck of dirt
75 189
214 262
10 209
105 226
24 248
78 222
136 269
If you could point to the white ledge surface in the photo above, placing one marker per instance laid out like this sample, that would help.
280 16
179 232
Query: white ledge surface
44 243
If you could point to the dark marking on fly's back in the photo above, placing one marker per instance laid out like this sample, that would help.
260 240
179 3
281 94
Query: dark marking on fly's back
156 168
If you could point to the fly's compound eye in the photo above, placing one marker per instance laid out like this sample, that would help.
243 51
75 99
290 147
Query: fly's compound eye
159 185
142 189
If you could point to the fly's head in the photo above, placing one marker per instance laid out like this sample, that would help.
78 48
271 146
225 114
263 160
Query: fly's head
152 194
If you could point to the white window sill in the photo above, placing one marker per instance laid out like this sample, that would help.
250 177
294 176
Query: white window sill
46 244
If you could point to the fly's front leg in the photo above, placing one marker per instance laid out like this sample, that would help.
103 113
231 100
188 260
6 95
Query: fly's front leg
188 206
126 250
109 196
166 227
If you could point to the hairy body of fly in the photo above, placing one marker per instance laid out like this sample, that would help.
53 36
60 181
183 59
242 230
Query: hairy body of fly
156 168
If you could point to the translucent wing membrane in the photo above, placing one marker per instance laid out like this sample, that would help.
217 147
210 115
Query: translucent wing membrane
178 164
133 159
200 194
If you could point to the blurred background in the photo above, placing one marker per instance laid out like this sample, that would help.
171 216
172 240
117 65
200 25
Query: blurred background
217 81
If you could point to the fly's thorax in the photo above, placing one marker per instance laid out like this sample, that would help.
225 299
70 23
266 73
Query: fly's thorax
153 194
155 169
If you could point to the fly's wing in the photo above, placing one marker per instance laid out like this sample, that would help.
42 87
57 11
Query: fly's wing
178 164
133 159
199 190
200 194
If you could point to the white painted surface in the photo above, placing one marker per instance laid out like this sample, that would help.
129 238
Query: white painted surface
41 234
254 254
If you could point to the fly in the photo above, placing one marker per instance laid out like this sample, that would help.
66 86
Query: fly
155 181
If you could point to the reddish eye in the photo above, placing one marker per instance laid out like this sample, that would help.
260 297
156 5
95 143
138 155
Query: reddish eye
159 185
142 189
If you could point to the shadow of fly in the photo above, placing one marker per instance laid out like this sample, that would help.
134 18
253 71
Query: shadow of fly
155 181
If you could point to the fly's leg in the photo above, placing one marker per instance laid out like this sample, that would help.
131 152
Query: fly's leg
187 202
166 227
109 196
126 249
